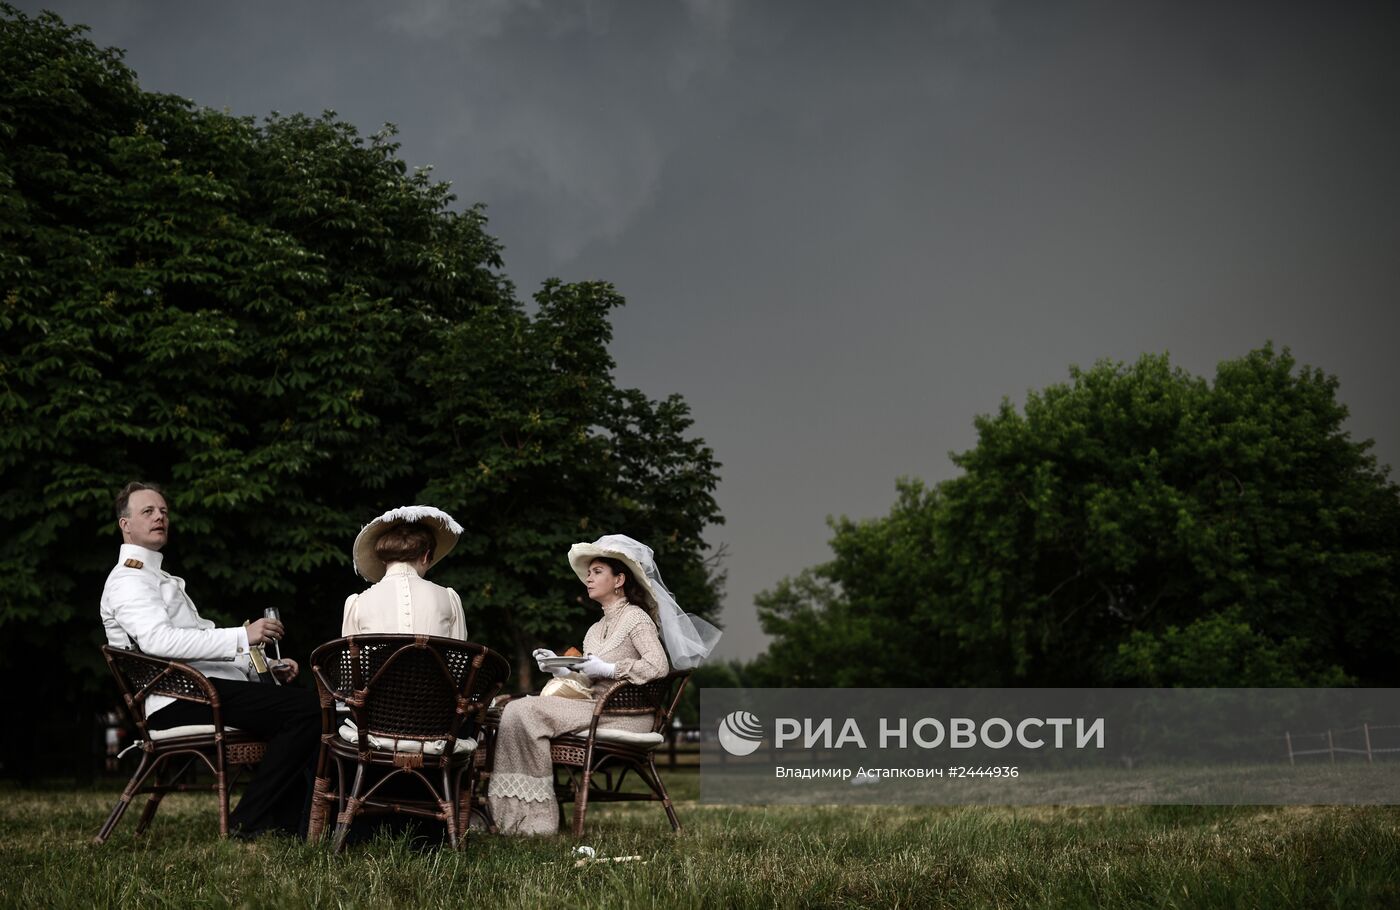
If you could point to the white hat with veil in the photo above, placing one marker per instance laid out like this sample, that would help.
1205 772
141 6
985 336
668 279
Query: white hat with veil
688 638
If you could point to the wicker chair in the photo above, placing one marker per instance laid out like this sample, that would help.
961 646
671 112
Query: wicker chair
409 697
588 754
224 751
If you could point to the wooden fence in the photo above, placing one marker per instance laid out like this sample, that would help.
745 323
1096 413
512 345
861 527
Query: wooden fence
1367 746
683 746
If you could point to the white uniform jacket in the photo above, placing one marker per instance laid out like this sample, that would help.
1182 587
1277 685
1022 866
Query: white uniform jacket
403 603
147 608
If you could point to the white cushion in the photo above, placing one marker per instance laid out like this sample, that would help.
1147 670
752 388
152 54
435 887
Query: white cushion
351 734
625 737
189 730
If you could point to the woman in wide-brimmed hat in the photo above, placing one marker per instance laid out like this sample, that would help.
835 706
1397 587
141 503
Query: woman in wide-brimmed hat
394 551
626 643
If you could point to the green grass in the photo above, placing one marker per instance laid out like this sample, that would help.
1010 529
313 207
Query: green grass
890 856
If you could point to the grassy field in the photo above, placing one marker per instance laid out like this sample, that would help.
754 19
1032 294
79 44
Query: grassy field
727 856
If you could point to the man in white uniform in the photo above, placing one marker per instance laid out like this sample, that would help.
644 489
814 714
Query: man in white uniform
145 607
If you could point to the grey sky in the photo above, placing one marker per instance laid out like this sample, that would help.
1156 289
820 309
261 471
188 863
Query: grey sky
845 229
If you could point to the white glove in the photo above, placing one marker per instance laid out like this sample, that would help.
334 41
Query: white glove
539 654
598 668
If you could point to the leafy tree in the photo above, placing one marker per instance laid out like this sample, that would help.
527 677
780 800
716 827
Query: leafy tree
1135 525
1221 646
832 625
293 332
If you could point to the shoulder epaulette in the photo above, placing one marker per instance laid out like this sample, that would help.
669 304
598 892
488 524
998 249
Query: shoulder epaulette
134 564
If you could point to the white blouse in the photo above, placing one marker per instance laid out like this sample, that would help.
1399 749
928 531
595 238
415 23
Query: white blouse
406 604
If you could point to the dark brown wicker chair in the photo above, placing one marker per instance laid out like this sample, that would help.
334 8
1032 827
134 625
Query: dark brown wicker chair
410 700
587 755
223 751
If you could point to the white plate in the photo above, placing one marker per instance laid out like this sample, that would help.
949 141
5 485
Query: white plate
554 663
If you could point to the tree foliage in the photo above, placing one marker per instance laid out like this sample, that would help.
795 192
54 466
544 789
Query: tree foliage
293 331
1135 525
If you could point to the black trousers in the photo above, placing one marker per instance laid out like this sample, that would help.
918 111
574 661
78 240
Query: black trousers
290 720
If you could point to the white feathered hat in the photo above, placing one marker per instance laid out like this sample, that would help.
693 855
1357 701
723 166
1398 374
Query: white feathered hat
445 531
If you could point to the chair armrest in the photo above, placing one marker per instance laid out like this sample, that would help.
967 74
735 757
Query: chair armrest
620 687
603 699
147 675
139 676
663 697
198 679
660 709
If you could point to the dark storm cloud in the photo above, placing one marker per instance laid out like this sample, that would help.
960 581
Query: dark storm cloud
844 229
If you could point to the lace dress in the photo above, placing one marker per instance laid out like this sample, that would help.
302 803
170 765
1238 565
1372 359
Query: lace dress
522 778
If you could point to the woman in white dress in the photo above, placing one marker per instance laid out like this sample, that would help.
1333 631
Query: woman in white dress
626 643
395 551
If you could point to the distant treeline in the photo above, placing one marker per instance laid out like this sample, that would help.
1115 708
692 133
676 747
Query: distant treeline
1135 526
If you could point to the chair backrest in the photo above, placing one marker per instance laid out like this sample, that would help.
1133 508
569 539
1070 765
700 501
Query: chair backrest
140 676
657 698
409 686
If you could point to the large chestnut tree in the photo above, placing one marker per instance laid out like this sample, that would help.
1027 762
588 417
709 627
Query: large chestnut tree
292 331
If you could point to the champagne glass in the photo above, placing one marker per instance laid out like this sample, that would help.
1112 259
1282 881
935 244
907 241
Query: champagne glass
276 614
